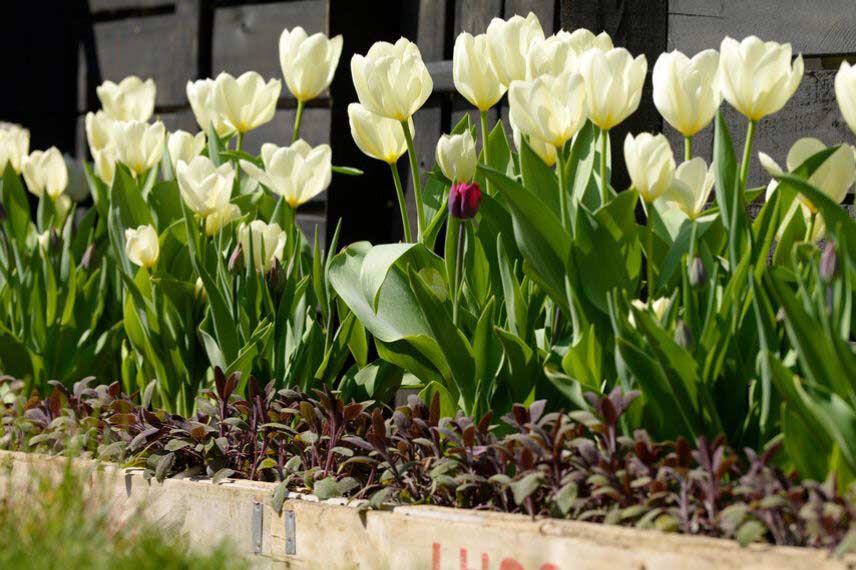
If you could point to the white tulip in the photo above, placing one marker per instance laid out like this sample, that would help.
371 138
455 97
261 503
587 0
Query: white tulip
686 91
473 74
266 241
691 187
391 79
184 147
845 92
221 218
551 57
508 42
142 246
650 163
200 93
139 145
378 137
246 102
104 161
45 172
205 188
834 177
613 82
130 100
582 40
546 151
308 62
14 145
757 78
100 128
44 240
297 173
550 108
456 155
658 307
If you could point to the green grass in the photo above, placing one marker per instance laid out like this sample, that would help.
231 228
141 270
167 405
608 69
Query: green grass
63 523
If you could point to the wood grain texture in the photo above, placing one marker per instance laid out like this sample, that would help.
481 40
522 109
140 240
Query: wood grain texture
247 37
813 28
158 47
812 112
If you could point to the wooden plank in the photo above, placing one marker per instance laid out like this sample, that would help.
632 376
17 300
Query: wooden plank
473 16
812 112
812 28
99 6
247 37
158 47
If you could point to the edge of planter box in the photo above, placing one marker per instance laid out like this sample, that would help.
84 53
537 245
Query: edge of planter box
333 534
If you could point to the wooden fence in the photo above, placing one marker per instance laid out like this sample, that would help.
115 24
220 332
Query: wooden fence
176 40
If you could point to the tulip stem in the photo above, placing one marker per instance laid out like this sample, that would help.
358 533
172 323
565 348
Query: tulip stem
402 204
649 250
688 147
414 171
485 150
747 153
297 119
563 191
604 184
459 261
809 231
238 146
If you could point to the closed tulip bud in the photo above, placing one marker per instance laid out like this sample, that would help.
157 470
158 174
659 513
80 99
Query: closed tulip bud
613 82
105 163
456 155
686 91
246 102
690 188
100 130
236 260
550 108
139 145
266 241
308 62
131 100
650 163
683 335
88 257
276 276
377 136
845 93
204 187
464 200
14 146
221 218
473 73
697 273
546 151
391 79
200 93
142 246
199 290
508 42
184 147
45 172
44 240
658 308
829 263
757 78
298 172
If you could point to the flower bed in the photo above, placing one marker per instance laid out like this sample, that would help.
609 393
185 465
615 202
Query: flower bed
666 323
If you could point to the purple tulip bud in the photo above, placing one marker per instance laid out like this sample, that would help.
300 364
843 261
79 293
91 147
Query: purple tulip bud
829 263
88 257
236 260
697 273
464 200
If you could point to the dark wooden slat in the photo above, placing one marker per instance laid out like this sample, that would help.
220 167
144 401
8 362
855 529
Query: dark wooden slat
158 47
639 26
97 6
812 28
247 37
812 112
473 16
